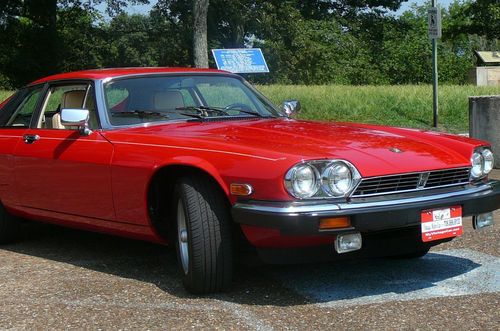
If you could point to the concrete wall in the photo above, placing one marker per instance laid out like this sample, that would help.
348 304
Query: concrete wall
484 122
485 76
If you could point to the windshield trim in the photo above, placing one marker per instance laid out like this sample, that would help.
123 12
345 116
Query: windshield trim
104 116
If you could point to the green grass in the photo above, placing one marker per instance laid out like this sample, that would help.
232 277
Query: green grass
4 95
406 105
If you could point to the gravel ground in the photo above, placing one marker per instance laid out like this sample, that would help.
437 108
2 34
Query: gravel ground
65 279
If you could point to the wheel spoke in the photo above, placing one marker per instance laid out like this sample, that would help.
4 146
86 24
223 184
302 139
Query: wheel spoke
182 237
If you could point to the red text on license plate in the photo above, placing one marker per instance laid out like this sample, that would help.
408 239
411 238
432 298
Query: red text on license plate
441 223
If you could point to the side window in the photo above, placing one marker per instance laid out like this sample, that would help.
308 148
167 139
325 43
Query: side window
24 112
60 97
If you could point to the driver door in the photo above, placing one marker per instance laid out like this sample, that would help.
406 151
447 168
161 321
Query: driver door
59 170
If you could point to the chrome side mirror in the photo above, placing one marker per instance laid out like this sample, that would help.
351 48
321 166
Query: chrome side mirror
76 117
291 107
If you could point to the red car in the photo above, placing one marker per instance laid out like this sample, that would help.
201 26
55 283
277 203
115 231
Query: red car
200 159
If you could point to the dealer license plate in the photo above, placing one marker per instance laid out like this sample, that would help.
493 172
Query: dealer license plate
441 223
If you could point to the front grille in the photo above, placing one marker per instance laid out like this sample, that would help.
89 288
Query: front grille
412 182
448 177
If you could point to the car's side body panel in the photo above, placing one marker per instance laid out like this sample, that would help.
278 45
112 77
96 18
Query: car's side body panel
9 139
134 164
65 172
86 223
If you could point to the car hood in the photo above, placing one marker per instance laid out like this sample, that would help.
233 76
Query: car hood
374 150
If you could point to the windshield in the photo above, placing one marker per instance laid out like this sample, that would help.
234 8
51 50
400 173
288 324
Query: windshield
165 98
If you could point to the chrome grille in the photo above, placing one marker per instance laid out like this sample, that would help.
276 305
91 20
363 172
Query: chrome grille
412 182
448 177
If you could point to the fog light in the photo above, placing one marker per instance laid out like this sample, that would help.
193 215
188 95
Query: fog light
482 220
348 242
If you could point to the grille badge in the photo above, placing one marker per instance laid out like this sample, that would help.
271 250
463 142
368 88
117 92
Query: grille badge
422 180
395 150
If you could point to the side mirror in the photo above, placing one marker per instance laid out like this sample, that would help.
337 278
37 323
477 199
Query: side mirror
291 107
76 117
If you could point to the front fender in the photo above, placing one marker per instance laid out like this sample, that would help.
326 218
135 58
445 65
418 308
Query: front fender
199 164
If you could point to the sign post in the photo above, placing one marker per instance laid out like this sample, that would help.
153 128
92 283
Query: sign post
240 60
434 17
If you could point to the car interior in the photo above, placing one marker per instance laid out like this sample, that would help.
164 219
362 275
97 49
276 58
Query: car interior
64 97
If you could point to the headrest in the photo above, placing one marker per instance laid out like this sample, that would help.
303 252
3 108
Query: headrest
72 99
167 100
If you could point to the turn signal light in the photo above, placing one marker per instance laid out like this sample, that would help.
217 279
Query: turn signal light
334 223
241 189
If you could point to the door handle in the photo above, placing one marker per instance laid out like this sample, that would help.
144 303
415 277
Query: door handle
30 138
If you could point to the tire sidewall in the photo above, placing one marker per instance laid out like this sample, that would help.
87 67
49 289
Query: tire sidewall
180 195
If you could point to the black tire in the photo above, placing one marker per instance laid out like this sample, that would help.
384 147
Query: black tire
207 220
9 227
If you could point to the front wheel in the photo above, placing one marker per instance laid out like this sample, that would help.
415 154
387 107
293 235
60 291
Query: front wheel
203 235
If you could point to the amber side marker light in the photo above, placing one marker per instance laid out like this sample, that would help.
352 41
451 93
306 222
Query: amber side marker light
334 223
241 189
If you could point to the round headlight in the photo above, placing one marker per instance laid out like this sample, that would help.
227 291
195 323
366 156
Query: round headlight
302 181
489 160
337 179
477 165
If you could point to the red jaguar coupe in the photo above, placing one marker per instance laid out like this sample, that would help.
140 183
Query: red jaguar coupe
200 159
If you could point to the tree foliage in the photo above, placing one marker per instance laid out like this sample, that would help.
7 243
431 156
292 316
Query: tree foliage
305 42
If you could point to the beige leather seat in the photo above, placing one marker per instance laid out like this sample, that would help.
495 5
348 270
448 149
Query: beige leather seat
167 100
70 99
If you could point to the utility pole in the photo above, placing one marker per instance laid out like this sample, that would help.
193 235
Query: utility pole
434 16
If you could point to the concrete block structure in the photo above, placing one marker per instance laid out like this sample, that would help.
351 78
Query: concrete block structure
484 122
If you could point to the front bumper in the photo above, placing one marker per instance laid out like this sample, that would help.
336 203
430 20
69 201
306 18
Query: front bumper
302 218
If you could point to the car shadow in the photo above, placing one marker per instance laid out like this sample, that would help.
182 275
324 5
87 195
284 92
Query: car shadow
259 285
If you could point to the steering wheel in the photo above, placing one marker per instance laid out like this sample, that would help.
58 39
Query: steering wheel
237 106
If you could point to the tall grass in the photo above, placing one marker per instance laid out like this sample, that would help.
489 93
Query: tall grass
406 105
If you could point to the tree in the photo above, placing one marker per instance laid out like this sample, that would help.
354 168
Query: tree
480 18
200 43
43 37
130 43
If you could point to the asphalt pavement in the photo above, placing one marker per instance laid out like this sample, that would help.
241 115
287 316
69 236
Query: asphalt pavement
60 278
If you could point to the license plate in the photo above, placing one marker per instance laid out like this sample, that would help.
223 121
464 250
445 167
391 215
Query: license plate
441 223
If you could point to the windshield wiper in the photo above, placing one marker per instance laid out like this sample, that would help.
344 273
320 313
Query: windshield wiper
140 113
203 111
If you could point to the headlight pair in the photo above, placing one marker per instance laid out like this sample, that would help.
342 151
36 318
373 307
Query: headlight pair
321 179
482 161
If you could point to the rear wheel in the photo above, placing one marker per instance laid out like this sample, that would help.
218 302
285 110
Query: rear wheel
203 235
9 227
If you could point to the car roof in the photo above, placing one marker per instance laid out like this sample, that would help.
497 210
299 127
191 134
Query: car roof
117 72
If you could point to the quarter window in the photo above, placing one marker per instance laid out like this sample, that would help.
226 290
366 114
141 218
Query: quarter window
24 112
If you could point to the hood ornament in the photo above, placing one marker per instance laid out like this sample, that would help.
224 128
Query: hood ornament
396 150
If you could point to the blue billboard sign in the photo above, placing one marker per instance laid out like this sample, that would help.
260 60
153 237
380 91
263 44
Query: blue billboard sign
240 60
